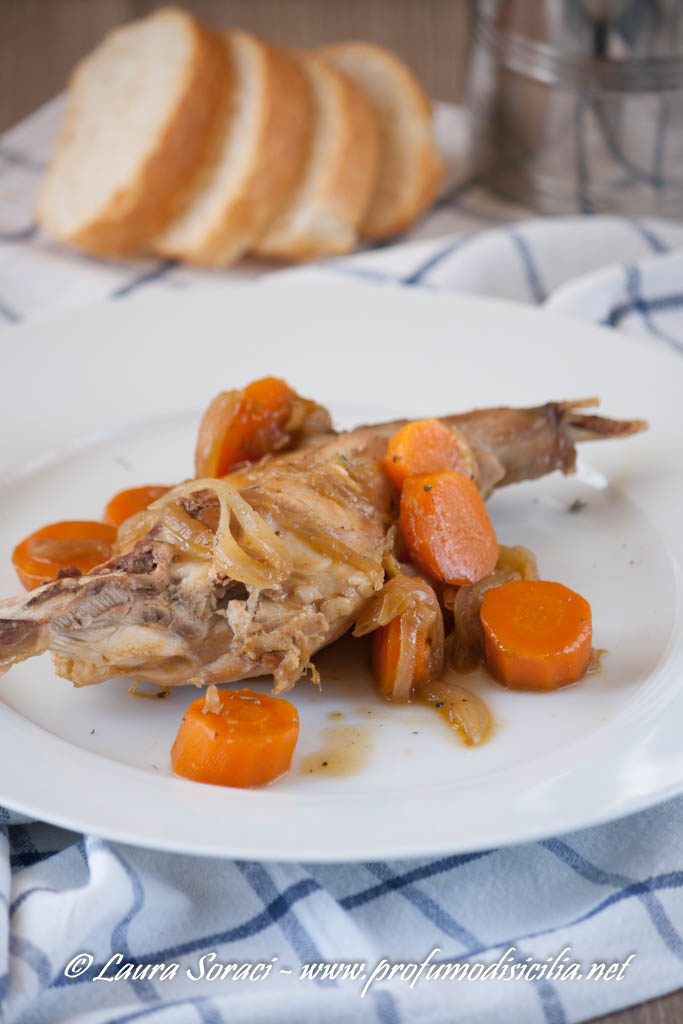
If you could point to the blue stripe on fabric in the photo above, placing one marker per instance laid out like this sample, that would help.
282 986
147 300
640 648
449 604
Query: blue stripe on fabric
8 313
531 272
26 860
25 895
548 996
21 839
428 907
4 988
638 303
208 1013
397 882
655 243
645 307
23 851
417 276
147 277
80 848
671 880
550 1000
20 235
263 885
143 987
573 859
367 273
258 923
13 156
387 1011
33 956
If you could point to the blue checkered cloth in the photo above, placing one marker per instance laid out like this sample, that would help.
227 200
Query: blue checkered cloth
602 895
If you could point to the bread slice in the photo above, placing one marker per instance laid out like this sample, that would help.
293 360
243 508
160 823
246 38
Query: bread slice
261 157
144 108
325 213
410 169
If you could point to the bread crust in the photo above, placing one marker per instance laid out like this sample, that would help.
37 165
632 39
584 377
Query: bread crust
344 191
427 167
137 211
276 164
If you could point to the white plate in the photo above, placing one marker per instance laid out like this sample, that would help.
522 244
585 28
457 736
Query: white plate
111 397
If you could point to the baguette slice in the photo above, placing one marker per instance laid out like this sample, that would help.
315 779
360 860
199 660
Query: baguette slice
330 203
144 108
411 168
260 159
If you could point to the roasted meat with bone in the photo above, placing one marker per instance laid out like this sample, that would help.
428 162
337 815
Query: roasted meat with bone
251 574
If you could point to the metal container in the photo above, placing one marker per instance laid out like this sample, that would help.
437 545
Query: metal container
578 104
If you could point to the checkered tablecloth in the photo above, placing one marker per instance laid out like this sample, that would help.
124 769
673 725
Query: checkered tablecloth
606 894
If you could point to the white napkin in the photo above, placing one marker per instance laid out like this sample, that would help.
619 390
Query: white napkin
612 894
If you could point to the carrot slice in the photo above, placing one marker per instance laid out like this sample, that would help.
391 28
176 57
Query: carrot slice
538 634
243 426
426 446
386 659
248 740
60 547
127 503
446 527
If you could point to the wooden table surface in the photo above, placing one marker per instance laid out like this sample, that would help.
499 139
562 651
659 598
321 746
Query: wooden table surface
41 40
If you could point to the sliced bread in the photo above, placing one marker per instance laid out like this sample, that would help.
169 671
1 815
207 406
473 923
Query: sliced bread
410 168
263 151
330 203
143 110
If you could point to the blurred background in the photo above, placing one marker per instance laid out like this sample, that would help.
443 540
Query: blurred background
41 40
576 105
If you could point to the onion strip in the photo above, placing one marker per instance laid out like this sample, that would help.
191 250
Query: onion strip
256 556
463 709
298 520
415 604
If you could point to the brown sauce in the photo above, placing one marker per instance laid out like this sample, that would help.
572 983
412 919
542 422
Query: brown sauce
345 751
595 664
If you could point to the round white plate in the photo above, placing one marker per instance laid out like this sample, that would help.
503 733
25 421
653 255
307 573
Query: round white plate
111 397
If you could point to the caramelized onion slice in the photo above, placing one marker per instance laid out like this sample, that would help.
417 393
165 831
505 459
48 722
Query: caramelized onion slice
517 559
245 548
299 521
134 528
465 645
187 533
414 602
462 708
401 594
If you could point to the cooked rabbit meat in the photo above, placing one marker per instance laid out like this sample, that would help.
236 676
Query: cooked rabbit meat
251 575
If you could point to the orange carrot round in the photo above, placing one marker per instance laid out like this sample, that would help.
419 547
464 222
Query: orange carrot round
243 426
426 446
127 503
248 740
62 546
386 657
446 528
538 634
